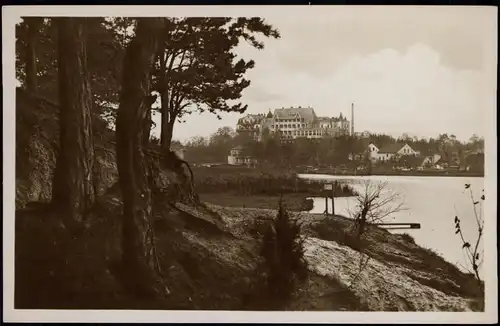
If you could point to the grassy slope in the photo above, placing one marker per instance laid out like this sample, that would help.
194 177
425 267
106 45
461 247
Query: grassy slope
292 201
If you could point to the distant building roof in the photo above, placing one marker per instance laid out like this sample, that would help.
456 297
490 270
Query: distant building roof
424 150
305 113
251 118
414 160
391 148
237 147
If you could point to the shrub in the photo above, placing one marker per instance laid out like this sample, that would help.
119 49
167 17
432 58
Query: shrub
408 238
283 255
473 250
307 204
214 180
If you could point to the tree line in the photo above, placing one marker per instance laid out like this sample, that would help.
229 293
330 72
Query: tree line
115 69
325 151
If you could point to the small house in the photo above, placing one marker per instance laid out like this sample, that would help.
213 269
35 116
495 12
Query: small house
237 157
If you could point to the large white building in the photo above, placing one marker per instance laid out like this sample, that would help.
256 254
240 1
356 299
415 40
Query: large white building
292 123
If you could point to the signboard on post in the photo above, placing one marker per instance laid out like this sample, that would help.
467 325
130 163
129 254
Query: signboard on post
330 187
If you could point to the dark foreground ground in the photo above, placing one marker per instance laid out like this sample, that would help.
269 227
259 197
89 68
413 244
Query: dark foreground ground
208 258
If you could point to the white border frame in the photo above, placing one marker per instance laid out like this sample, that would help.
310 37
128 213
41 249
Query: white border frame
11 15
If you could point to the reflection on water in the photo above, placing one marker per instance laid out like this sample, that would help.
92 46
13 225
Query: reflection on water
431 201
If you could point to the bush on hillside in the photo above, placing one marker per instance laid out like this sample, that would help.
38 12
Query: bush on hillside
282 251
212 180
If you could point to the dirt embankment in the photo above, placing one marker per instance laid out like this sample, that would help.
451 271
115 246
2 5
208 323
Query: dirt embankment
399 275
208 255
37 143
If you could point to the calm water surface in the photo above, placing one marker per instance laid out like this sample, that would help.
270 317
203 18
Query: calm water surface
431 201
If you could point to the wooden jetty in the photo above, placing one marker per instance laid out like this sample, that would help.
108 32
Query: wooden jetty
397 226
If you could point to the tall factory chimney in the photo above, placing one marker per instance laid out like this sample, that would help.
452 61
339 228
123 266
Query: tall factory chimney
352 119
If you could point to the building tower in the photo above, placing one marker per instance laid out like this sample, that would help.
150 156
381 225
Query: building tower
352 119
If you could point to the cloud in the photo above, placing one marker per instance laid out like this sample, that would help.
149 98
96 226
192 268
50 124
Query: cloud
410 92
319 46
259 94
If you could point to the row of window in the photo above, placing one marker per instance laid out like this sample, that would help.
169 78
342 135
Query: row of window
302 132
290 120
293 125
288 125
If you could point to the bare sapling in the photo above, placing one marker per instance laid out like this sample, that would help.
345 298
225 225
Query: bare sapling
374 203
474 257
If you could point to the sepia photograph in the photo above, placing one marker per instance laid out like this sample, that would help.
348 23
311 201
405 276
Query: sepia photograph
232 163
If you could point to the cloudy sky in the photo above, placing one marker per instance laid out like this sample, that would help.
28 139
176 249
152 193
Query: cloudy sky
416 70
421 71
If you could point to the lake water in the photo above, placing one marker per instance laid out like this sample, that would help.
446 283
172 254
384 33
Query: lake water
431 201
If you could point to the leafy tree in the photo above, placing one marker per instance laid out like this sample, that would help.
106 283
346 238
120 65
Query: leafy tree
242 138
476 143
221 143
196 68
197 141
33 25
73 186
223 136
36 55
304 149
104 51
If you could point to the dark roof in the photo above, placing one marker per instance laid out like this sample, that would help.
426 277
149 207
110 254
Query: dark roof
306 113
423 149
391 148
413 160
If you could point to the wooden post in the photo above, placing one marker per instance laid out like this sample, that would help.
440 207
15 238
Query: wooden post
326 204
333 197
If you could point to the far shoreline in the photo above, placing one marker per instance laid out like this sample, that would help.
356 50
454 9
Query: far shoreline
397 174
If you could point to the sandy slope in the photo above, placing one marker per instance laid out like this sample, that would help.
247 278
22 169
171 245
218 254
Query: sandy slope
385 284
381 286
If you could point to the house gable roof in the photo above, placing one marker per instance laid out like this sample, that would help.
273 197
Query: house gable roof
390 149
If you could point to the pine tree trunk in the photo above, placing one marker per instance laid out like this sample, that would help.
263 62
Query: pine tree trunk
148 124
167 126
73 188
137 239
